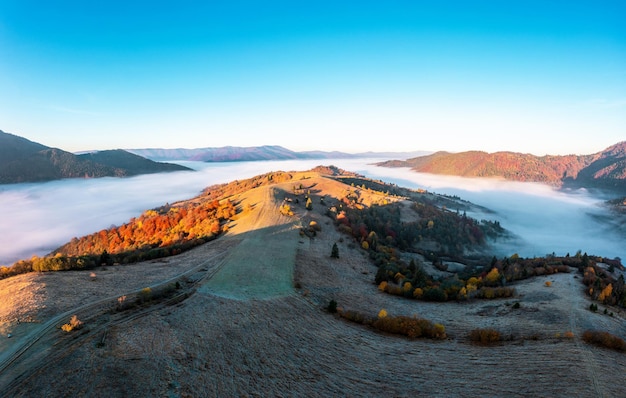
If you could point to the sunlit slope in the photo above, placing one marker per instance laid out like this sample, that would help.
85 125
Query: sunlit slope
605 169
263 263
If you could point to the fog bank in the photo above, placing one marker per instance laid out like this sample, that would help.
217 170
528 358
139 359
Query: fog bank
38 218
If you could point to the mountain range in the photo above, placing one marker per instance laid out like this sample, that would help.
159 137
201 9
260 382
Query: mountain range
22 160
265 152
604 170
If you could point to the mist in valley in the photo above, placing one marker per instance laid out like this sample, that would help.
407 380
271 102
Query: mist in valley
38 218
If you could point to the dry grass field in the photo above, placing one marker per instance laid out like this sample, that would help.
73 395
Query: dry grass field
257 326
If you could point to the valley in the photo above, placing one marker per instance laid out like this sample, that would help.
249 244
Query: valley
254 322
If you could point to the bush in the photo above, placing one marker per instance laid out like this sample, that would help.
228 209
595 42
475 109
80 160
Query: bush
604 339
411 327
145 295
356 317
494 292
434 294
74 324
485 336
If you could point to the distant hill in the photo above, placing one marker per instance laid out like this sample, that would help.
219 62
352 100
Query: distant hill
134 164
22 160
222 154
266 152
605 169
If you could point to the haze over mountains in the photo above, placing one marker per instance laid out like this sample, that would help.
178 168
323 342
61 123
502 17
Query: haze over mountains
22 160
265 152
605 169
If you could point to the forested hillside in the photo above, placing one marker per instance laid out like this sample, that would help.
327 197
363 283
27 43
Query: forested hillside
22 160
605 169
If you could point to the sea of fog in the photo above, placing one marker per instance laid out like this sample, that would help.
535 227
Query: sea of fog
39 217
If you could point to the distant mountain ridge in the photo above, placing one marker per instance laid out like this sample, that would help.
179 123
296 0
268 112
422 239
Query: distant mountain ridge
265 152
22 160
605 169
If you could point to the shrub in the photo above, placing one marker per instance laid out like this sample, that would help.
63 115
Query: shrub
122 304
485 336
74 324
548 283
604 339
285 210
145 295
435 294
493 276
412 327
356 317
495 292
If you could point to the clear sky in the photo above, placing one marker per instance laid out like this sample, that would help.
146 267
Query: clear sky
529 76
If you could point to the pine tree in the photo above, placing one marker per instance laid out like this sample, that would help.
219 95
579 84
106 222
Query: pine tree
334 253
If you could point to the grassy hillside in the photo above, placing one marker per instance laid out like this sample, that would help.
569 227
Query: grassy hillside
286 303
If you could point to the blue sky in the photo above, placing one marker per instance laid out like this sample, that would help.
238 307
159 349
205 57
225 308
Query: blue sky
529 76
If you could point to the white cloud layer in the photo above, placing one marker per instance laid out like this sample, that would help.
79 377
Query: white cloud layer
37 218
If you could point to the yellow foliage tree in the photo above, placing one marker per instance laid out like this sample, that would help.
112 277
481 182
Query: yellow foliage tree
407 287
470 288
606 292
473 281
493 276
418 293
383 286
74 324
382 314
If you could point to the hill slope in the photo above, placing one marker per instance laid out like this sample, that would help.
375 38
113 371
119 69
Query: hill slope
605 169
22 160
222 340
131 163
